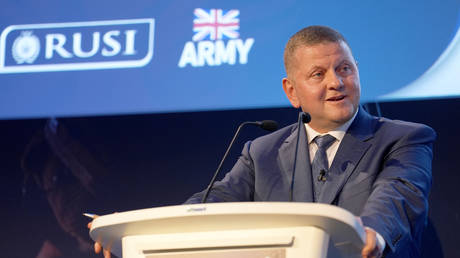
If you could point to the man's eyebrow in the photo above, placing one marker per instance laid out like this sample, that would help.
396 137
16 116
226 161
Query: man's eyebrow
315 67
345 61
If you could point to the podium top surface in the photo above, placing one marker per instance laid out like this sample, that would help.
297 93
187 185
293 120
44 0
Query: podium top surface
340 224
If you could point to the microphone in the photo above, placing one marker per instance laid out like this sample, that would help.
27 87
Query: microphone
303 119
322 176
268 125
306 118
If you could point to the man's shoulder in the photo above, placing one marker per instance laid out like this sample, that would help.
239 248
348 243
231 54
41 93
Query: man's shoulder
384 127
274 140
402 125
278 135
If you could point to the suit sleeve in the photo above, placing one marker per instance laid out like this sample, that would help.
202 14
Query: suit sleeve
398 204
236 186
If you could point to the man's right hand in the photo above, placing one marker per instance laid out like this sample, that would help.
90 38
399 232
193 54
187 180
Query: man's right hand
98 247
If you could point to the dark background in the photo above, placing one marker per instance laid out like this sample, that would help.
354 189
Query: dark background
143 161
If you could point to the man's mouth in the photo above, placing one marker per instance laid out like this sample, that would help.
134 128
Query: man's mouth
336 98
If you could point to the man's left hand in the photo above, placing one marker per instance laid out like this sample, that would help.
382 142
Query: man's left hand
371 248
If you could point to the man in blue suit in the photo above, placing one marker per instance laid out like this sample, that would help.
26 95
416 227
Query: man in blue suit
379 169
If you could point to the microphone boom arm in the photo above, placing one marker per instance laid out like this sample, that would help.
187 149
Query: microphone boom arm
266 124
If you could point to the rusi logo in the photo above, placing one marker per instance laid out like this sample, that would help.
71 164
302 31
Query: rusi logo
208 47
76 46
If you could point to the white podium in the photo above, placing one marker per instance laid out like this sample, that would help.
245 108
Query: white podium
224 230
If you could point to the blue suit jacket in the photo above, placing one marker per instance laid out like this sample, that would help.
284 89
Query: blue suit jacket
381 172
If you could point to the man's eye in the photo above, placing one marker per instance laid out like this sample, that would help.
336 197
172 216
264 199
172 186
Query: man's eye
345 68
318 74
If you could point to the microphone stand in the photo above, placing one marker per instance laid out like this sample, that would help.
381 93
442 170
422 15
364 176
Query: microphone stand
266 124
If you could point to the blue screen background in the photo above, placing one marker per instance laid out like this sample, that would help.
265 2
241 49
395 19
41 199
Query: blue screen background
395 42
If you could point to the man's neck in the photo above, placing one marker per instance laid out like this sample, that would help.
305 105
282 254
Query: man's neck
340 127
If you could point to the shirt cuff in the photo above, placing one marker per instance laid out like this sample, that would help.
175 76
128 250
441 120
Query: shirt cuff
380 241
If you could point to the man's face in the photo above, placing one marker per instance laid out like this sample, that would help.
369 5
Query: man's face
324 81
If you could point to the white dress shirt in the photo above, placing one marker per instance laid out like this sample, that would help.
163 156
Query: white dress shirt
338 134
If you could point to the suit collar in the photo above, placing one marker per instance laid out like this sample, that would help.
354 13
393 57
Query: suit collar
352 148
338 133
302 177
362 128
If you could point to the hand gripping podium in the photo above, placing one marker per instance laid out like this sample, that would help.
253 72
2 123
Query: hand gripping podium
232 230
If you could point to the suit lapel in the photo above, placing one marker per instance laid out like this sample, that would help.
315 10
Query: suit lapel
352 148
303 188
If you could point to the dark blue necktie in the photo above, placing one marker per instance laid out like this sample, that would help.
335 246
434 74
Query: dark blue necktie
320 165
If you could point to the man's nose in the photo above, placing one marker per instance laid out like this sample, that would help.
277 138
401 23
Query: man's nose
334 81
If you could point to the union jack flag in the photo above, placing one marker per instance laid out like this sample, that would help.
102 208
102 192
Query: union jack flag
215 24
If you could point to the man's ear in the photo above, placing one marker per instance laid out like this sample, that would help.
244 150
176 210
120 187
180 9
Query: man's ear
291 93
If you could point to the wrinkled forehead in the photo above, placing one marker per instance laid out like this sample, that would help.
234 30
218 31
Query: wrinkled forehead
319 53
